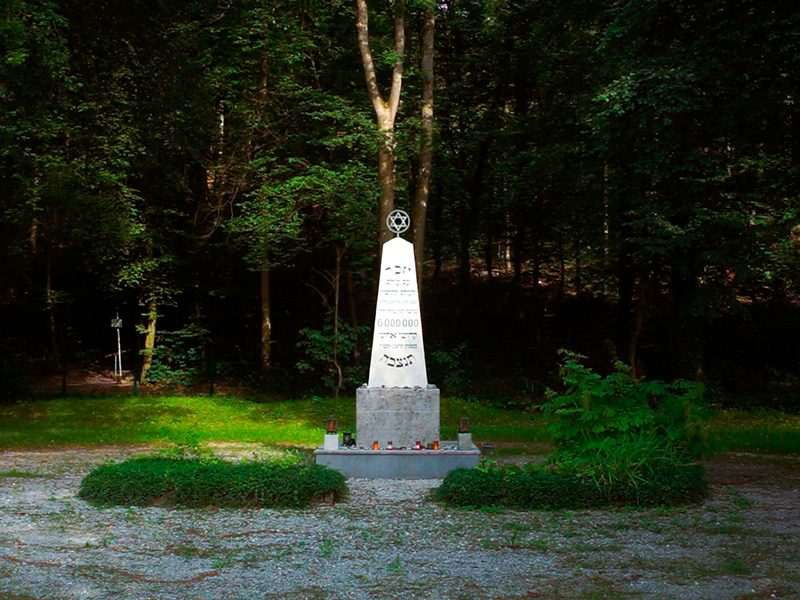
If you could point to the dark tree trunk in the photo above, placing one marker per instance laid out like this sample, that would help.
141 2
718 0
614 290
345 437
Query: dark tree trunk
266 319
423 182
688 333
626 275
487 253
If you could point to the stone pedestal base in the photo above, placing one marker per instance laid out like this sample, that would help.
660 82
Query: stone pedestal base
398 415
399 464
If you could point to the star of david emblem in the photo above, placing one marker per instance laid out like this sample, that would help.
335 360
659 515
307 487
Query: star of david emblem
398 221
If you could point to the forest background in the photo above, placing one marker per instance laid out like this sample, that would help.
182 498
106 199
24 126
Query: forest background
620 178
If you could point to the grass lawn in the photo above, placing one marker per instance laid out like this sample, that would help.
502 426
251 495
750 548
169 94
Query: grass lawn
299 423
759 431
197 419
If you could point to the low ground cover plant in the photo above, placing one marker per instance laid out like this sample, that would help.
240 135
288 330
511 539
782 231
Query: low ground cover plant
617 440
533 488
201 482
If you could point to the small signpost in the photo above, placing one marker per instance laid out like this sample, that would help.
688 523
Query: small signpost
116 323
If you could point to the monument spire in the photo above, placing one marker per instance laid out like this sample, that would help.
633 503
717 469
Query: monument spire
398 354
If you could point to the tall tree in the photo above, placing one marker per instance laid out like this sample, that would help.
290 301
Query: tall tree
385 110
423 182
301 141
687 121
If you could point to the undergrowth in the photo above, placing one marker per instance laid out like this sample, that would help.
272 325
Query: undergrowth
620 429
618 441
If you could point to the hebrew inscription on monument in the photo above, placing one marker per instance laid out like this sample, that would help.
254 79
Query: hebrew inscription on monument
398 356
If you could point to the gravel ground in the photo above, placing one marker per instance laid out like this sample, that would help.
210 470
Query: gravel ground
387 541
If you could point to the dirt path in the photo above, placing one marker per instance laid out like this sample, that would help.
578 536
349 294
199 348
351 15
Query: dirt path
387 541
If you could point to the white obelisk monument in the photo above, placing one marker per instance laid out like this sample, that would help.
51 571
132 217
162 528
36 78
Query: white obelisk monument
397 411
397 405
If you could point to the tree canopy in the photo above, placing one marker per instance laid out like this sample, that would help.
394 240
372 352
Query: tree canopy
617 177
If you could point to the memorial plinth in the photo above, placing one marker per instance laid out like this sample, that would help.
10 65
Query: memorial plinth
397 406
402 416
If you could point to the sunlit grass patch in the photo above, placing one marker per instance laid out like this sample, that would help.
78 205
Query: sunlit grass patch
163 419
300 423
99 421
192 420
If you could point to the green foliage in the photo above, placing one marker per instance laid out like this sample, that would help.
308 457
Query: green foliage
536 489
190 483
157 150
177 358
621 429
315 350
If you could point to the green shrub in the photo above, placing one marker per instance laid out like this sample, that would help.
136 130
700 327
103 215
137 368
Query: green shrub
536 489
618 441
162 481
619 429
